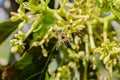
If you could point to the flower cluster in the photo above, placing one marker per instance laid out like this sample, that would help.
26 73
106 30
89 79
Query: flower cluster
17 44
108 53
64 71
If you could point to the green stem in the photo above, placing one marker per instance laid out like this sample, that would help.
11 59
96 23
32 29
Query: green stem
63 5
34 25
105 30
42 1
49 58
61 11
108 18
58 16
90 31
87 47
95 17
110 72
33 76
85 71
98 36
86 58
60 2
46 3
41 72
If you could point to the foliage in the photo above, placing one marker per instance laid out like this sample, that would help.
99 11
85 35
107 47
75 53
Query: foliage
73 41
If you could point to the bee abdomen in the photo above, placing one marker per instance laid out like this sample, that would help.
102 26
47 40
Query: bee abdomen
67 43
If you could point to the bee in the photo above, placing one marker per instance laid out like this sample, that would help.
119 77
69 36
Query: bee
64 39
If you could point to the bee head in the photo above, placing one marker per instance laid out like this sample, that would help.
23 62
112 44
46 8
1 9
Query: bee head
63 37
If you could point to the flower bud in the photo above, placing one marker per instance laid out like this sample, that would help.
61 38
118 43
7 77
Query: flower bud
69 5
14 13
19 1
58 76
77 22
60 23
21 11
106 59
21 48
115 62
72 65
13 42
102 56
68 16
20 35
94 63
14 18
14 49
108 64
59 69
21 25
44 51
73 11
81 54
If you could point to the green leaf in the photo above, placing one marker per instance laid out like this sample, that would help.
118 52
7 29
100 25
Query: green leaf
43 30
48 17
32 65
47 21
47 76
6 28
5 51
32 7
98 3
116 12
25 60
